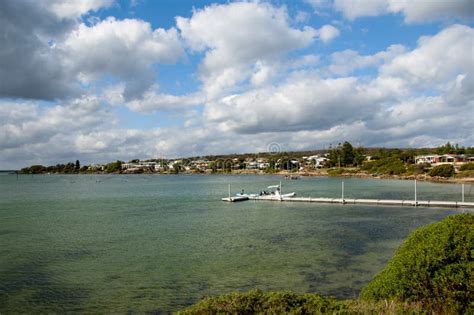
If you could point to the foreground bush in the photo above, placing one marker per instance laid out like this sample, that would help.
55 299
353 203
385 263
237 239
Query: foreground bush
259 302
256 301
446 170
434 267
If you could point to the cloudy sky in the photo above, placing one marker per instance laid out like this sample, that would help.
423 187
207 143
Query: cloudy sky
100 80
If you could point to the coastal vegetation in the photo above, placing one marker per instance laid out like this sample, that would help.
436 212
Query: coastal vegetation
446 170
341 160
430 273
434 267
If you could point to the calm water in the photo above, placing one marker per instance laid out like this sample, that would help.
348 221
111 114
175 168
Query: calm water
151 243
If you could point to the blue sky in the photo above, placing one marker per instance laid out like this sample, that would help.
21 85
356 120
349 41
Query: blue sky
99 80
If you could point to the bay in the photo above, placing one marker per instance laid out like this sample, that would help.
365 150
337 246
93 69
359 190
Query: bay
158 243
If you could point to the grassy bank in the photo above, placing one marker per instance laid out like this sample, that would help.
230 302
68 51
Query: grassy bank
432 272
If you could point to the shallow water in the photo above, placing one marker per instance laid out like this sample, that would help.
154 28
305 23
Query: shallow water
157 243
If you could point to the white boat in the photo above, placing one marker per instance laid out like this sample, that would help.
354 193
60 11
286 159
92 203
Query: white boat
272 193
275 193
246 195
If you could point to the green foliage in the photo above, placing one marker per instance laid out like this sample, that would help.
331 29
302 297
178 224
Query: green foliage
78 165
408 156
467 167
359 156
416 169
434 266
386 165
448 148
336 172
465 174
341 171
113 167
445 170
344 155
258 302
34 169
347 154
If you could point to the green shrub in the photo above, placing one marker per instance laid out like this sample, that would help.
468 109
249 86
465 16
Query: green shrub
465 174
417 169
259 302
388 166
445 170
336 172
113 167
434 266
467 167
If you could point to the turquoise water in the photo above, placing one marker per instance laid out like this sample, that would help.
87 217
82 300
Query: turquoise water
157 243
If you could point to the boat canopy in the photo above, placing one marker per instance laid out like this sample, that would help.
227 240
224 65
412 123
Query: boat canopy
273 186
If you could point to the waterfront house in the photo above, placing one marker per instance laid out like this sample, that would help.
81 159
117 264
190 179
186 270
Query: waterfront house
436 159
317 160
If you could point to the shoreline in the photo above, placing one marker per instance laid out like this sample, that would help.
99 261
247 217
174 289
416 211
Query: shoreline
318 173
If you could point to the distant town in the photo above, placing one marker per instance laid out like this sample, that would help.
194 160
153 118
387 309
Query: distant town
445 161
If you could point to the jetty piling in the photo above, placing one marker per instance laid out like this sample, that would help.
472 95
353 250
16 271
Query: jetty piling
416 203
342 186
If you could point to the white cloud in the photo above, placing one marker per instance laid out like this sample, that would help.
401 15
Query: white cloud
412 10
124 48
422 10
51 52
303 102
436 61
263 73
327 33
152 100
359 8
34 69
346 61
235 36
28 124
71 9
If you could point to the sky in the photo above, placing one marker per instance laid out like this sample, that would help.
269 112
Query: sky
101 80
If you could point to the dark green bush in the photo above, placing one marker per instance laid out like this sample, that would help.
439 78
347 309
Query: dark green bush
445 170
434 266
113 167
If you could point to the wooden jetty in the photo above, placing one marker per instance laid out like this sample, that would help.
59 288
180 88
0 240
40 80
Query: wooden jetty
387 202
